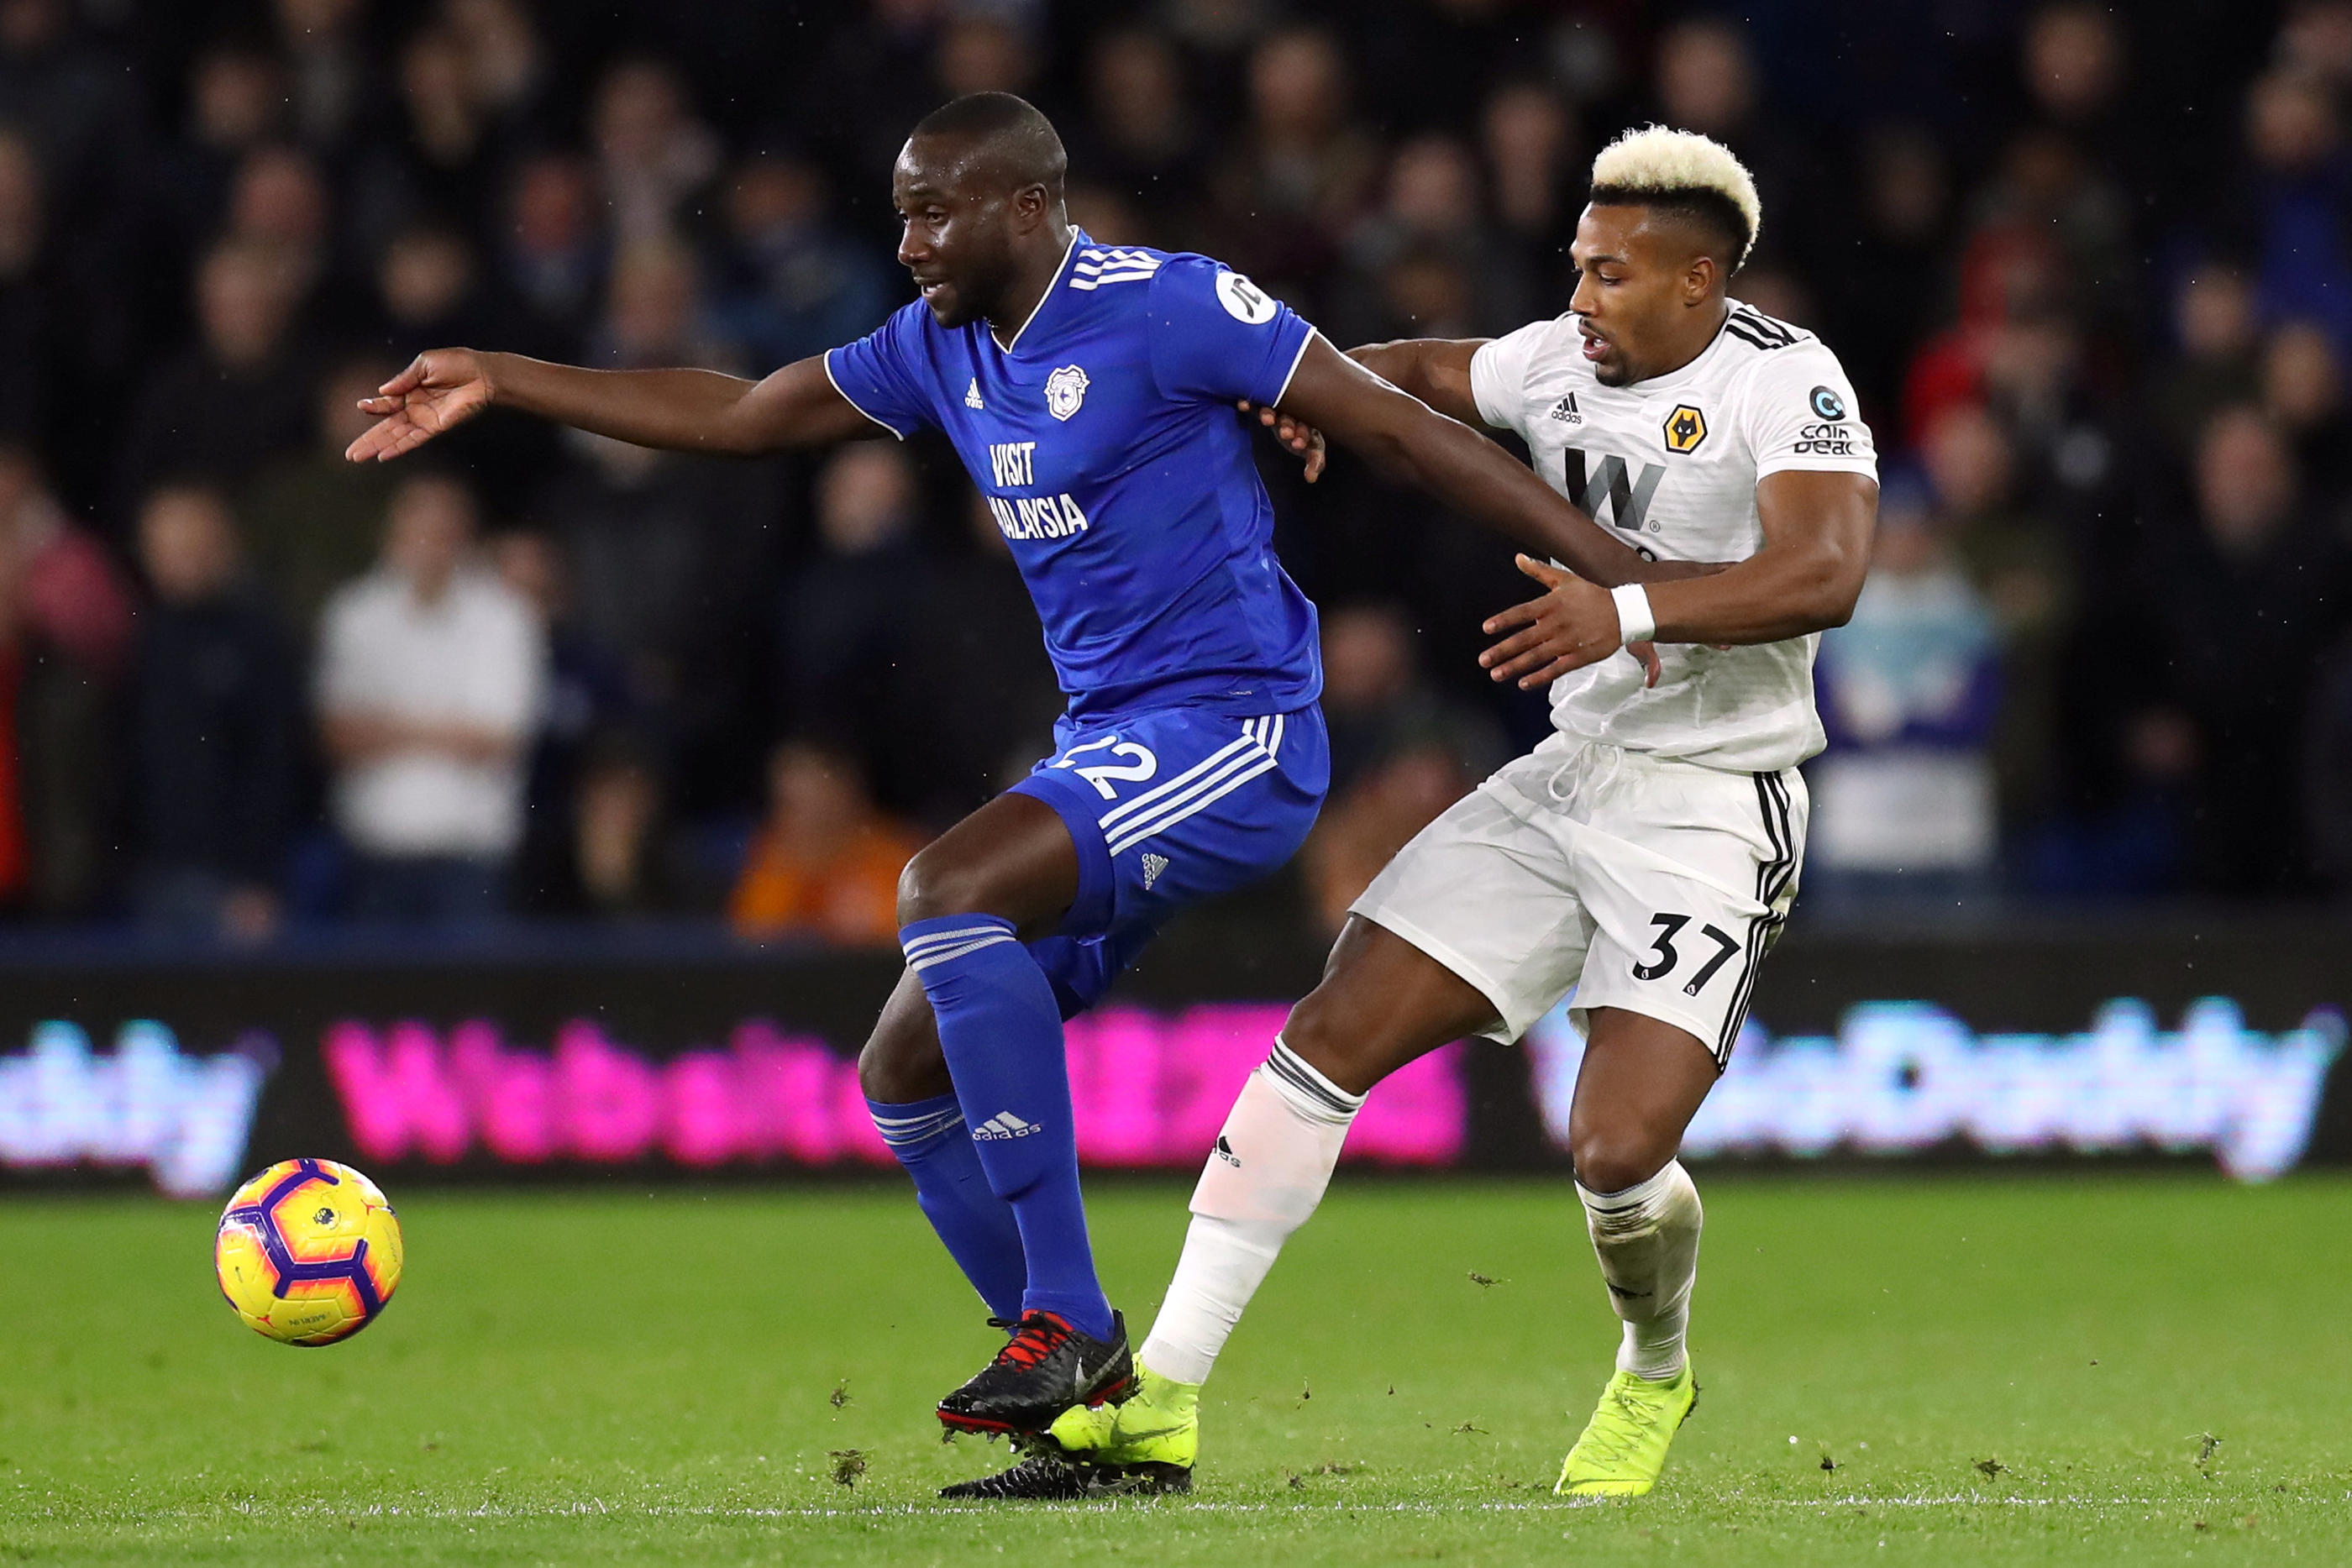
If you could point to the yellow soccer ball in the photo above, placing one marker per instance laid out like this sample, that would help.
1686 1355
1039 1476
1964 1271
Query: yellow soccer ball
308 1252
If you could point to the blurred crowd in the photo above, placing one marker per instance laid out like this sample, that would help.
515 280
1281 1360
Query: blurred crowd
2089 267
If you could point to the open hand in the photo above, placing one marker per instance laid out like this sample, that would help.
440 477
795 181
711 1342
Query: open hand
1303 439
440 390
1573 624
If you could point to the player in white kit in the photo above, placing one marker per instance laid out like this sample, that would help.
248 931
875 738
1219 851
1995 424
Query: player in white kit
1645 857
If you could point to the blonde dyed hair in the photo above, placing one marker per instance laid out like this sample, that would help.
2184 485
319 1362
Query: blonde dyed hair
1656 164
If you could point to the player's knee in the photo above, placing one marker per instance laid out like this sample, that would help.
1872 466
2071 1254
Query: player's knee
1611 1159
895 1068
934 885
1341 1049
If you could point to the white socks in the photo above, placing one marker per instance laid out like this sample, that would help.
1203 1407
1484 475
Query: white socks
1264 1176
1270 1167
1647 1239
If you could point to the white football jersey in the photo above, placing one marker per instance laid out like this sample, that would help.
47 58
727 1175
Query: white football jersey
1670 464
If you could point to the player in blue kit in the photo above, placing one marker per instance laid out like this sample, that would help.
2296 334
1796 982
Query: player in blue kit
1090 391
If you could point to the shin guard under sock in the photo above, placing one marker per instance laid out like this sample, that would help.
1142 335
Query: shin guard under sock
1263 1178
929 1139
1001 1031
1646 1238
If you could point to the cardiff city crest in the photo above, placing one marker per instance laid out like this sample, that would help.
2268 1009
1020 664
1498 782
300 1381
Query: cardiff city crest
1066 388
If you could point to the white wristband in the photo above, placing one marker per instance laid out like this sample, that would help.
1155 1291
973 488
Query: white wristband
1635 621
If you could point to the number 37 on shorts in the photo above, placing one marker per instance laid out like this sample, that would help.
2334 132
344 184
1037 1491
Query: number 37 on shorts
1650 885
1663 960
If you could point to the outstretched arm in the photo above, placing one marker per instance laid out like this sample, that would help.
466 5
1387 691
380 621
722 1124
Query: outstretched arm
682 411
1409 441
1434 369
1817 527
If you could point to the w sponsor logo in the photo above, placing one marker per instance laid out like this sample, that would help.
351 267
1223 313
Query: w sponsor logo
1612 485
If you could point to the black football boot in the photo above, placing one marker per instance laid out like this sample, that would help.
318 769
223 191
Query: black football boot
1043 1369
1050 1478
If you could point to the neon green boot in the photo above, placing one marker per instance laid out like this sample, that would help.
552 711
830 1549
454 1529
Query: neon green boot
1143 1447
1625 1445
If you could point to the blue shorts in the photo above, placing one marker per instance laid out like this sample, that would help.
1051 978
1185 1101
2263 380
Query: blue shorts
1166 808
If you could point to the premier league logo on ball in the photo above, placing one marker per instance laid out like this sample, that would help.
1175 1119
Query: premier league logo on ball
1066 388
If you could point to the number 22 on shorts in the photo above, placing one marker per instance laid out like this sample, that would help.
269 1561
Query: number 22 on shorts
1136 764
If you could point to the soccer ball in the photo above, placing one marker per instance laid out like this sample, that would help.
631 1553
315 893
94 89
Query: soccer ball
308 1252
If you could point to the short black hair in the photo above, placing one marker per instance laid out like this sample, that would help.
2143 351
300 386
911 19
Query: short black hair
1703 206
1010 132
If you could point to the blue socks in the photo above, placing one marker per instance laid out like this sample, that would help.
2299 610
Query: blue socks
1001 1031
929 1139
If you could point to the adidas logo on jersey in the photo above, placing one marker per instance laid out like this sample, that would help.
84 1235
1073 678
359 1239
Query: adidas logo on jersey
971 395
1004 1124
1152 866
1566 411
1224 1151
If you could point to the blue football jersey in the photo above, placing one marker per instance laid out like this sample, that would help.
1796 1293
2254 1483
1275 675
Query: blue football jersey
1107 444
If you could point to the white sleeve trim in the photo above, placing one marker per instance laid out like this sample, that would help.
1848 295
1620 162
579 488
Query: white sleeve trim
827 361
1297 360
1484 378
1788 462
1475 401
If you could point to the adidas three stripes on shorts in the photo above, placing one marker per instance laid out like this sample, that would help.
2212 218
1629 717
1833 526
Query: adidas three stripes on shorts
1168 808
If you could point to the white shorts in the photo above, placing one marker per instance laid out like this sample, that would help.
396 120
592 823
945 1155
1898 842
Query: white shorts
1638 883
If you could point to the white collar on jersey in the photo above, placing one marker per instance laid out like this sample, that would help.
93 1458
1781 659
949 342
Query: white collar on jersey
1077 234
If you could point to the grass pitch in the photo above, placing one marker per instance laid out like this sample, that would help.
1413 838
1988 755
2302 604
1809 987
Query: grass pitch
2060 1370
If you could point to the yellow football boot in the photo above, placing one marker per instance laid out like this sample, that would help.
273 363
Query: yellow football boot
1157 1430
1139 1448
1625 1445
